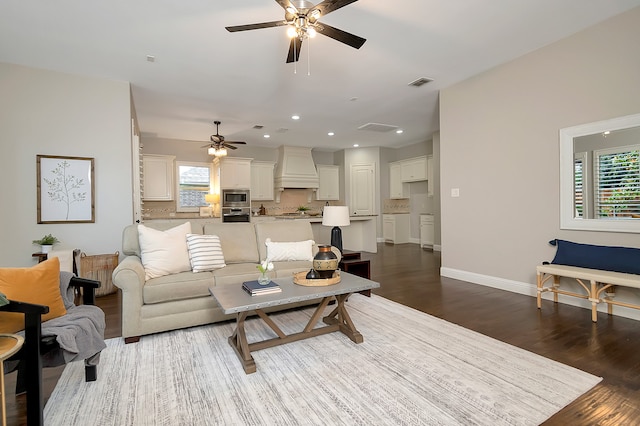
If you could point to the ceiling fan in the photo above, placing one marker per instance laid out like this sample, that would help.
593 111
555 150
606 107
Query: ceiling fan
218 146
302 18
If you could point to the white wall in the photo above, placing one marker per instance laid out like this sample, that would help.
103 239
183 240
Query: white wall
499 145
50 113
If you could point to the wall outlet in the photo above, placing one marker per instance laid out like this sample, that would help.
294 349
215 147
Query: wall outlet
455 192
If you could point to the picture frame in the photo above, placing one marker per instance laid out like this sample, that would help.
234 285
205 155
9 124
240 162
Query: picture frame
206 211
65 189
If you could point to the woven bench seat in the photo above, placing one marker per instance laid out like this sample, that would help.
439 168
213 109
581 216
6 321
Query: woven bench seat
595 282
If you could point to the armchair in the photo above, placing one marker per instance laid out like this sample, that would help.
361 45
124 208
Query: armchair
77 335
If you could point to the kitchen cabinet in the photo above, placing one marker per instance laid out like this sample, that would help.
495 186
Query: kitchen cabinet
232 172
262 180
329 182
414 169
397 188
429 175
427 234
157 177
396 228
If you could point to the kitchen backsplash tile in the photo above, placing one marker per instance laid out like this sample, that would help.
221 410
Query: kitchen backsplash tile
391 206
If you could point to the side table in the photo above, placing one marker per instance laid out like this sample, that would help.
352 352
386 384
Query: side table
9 345
353 263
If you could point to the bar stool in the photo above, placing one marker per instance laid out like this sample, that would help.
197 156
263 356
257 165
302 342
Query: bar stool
9 345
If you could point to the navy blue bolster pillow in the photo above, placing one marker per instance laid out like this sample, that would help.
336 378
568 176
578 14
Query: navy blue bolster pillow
606 258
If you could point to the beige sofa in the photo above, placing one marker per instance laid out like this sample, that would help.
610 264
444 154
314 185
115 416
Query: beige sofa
183 300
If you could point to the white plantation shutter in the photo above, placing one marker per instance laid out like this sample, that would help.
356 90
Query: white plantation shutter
617 182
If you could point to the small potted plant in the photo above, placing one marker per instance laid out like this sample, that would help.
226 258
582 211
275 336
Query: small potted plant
303 209
46 242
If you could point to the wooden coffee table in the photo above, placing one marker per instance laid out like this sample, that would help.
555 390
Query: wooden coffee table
234 300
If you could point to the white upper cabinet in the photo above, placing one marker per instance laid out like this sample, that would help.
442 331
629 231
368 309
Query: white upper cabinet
233 172
262 180
157 177
397 189
329 182
414 169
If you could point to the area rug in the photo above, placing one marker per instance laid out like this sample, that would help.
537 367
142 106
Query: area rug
411 369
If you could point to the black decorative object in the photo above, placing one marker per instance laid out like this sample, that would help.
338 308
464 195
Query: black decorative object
325 262
312 275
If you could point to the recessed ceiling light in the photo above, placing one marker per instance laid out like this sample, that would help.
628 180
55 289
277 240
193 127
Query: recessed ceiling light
399 131
330 133
355 145
267 136
295 117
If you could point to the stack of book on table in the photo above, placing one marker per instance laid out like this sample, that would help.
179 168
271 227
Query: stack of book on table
255 289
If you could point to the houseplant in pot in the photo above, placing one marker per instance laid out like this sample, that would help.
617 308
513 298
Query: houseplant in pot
46 243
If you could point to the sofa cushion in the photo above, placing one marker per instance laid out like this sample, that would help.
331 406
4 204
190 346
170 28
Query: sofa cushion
238 241
281 230
180 286
287 269
289 251
164 252
205 252
237 274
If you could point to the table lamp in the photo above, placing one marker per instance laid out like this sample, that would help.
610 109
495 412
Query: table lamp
336 216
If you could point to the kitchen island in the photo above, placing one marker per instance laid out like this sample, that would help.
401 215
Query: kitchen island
360 235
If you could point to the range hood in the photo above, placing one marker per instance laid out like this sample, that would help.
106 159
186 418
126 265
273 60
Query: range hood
295 169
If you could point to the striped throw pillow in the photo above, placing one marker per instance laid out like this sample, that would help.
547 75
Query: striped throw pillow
205 252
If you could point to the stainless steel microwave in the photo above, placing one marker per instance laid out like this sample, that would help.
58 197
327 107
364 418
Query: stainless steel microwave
236 198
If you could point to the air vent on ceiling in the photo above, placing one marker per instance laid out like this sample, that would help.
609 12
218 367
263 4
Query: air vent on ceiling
419 82
377 127
258 126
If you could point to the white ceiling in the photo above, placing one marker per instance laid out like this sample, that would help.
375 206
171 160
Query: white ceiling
203 73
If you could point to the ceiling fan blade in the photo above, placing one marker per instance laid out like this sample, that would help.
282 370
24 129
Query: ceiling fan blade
294 49
216 138
209 145
247 27
341 36
229 146
328 6
286 4
236 142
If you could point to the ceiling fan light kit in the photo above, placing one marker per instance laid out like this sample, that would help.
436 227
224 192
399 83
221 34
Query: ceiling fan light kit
302 19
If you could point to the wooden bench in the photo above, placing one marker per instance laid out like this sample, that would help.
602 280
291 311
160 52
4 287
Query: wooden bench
594 281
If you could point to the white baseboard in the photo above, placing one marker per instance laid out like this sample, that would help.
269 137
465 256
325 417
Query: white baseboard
529 289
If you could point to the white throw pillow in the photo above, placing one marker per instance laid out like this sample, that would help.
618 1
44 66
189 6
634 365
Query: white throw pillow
205 252
164 252
282 252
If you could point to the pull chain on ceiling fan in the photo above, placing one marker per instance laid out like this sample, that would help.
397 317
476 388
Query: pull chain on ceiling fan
303 17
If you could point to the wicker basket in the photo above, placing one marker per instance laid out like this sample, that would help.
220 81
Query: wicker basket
99 267
300 279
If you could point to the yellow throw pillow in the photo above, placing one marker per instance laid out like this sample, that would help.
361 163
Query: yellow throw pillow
39 284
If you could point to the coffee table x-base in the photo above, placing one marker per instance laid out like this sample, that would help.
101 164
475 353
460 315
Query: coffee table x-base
234 300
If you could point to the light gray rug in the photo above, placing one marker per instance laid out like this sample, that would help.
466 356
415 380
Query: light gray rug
412 369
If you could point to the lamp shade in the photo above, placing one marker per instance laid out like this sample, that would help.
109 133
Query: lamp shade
336 216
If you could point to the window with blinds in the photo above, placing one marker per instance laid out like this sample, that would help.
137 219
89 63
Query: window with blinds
578 187
193 183
617 182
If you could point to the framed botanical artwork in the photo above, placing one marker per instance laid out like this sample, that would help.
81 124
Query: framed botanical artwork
65 189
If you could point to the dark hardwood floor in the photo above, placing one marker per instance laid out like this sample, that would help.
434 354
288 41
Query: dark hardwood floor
409 275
